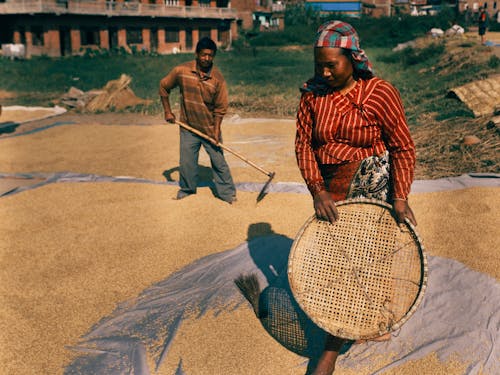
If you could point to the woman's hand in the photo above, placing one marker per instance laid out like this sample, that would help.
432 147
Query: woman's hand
402 210
324 206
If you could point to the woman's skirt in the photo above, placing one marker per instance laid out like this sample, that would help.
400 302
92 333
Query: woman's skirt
367 178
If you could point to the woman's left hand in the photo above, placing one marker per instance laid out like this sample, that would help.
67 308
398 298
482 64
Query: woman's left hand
402 210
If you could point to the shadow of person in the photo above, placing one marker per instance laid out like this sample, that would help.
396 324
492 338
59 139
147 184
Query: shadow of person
275 306
8 127
205 177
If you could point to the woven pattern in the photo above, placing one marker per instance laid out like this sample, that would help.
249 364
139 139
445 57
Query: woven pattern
288 324
360 277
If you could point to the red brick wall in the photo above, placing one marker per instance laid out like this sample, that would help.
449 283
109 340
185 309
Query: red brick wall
122 39
146 39
51 43
182 39
51 26
104 39
75 41
17 37
29 44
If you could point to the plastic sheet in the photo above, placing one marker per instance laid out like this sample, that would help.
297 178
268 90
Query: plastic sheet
419 186
458 314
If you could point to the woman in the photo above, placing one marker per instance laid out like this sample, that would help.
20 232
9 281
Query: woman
352 137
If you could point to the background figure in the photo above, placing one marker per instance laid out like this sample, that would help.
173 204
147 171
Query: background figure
467 15
352 138
482 21
204 102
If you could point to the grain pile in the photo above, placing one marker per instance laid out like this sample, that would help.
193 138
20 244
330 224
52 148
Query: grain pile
71 252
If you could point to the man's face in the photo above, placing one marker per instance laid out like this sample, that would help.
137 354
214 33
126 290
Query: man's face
205 59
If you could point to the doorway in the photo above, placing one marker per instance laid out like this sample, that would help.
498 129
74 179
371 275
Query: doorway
64 41
153 39
189 38
113 38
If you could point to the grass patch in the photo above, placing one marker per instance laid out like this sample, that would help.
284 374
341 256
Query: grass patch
265 81
413 56
262 81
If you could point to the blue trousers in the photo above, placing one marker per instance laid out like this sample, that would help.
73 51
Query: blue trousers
190 145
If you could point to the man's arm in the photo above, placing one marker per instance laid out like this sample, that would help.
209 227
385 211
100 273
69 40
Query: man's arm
221 103
166 85
169 116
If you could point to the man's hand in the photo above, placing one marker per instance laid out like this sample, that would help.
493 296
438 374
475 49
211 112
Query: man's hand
216 131
170 117
216 136
402 210
324 206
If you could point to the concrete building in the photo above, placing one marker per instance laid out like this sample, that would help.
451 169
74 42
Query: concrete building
67 27
269 17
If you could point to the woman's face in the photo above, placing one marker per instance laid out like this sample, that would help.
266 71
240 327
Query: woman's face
333 66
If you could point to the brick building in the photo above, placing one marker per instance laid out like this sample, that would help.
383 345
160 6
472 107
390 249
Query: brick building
379 8
492 6
66 27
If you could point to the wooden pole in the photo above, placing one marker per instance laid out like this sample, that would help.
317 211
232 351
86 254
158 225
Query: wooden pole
203 135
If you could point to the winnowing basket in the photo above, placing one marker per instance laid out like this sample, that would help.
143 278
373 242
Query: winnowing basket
362 276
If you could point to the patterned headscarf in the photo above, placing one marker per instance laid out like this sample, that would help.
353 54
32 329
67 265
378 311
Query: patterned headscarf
338 34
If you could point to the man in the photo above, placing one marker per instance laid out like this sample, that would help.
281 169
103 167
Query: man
204 103
482 23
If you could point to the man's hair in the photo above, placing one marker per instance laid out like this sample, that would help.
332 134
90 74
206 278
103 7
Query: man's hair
206 43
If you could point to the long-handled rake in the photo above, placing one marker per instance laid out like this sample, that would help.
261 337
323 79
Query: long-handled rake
263 191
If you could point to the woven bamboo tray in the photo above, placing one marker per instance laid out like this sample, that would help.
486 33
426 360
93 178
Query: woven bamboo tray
362 276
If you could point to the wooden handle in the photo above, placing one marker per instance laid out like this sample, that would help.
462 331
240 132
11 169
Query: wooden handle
203 135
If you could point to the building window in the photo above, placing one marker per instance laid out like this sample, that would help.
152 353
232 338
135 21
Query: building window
89 37
204 32
37 35
172 35
221 3
134 36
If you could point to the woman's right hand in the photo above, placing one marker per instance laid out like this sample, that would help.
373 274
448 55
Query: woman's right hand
324 206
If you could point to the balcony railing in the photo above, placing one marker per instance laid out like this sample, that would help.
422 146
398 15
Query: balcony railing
277 7
111 9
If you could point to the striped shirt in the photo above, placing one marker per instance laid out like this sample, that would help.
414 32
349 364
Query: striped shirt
203 96
369 119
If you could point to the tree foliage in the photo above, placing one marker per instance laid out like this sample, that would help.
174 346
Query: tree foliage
301 23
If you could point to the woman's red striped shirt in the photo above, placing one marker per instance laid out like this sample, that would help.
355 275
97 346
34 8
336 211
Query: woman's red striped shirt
368 120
